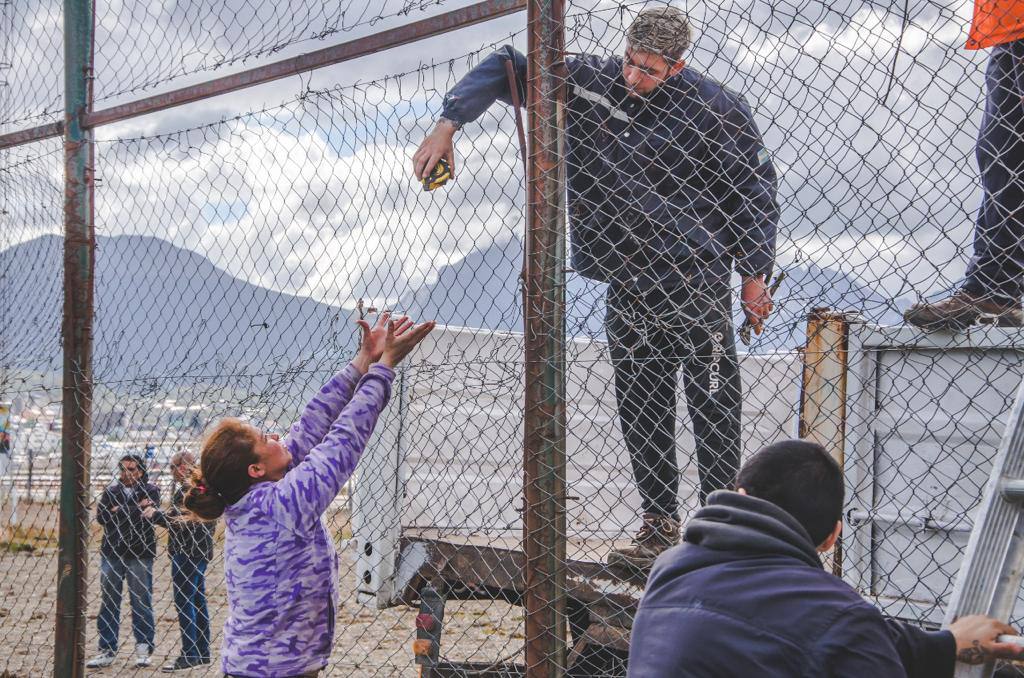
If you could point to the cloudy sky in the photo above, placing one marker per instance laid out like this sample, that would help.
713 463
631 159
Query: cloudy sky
303 185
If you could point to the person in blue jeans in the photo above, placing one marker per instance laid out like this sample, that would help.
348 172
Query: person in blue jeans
190 545
127 552
994 282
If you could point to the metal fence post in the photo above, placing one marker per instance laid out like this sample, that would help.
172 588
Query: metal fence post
544 307
823 391
79 249
823 388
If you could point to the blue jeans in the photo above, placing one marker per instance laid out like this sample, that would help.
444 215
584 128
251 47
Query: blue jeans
997 268
189 579
139 573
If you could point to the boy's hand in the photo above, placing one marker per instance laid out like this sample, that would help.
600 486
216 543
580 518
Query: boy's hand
148 513
398 345
977 640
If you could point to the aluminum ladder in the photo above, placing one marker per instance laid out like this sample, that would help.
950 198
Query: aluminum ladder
990 574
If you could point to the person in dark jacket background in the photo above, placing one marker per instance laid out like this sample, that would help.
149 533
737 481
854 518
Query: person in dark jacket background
190 546
746 594
127 551
670 189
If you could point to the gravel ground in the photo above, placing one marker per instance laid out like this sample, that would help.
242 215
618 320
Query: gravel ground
368 642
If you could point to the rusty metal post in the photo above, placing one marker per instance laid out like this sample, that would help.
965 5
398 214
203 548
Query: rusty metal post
823 390
544 308
79 248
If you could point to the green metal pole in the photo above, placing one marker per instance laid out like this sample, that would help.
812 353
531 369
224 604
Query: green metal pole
79 250
544 304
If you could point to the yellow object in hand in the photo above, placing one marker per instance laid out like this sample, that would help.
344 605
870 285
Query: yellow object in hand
438 176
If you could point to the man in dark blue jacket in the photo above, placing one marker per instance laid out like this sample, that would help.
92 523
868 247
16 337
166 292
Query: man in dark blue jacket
746 594
127 552
670 189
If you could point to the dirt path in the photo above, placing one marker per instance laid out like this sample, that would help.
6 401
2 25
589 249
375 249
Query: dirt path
368 642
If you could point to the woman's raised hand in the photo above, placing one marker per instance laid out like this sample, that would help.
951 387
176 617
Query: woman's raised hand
401 338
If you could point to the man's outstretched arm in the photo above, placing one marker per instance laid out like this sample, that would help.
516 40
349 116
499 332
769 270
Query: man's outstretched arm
466 102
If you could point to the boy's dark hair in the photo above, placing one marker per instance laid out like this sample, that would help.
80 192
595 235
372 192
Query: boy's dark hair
801 478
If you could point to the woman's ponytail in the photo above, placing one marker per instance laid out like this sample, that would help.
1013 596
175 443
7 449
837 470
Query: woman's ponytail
222 476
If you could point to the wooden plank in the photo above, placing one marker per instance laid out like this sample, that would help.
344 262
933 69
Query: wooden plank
823 394
469 571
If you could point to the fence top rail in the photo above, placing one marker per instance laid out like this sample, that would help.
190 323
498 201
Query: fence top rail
328 56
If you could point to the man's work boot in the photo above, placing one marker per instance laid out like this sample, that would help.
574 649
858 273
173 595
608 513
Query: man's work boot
961 310
657 534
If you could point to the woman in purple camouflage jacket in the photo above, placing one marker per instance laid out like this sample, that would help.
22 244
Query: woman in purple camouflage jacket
279 562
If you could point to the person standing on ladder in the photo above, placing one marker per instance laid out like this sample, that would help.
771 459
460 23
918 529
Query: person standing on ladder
669 187
994 282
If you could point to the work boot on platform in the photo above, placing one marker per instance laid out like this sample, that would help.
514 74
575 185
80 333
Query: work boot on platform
657 534
961 310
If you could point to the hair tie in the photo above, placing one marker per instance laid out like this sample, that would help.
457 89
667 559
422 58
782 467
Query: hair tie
203 488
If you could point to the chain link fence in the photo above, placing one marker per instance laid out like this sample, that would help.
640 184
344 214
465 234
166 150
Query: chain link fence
234 252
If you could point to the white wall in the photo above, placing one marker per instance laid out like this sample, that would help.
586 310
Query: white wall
452 440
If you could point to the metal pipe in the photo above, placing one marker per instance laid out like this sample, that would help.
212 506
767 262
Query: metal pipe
1013 490
346 51
31 134
544 310
917 523
79 250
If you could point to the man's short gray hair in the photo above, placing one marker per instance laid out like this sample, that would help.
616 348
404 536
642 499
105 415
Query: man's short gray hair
660 30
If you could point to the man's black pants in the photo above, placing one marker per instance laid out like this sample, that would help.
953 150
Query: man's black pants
652 334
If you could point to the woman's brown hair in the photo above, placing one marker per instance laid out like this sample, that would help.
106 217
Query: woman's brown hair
222 476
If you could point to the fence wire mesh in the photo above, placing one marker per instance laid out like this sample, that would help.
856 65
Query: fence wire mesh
31 89
233 257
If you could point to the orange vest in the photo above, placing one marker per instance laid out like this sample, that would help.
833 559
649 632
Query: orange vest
996 22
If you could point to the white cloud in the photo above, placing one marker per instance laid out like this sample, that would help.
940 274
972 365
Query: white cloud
331 213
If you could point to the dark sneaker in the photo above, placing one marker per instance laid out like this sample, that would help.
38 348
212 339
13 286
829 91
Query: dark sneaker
182 663
657 534
961 310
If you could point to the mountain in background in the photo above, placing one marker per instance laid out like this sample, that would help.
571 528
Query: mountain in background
483 290
163 311
166 312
